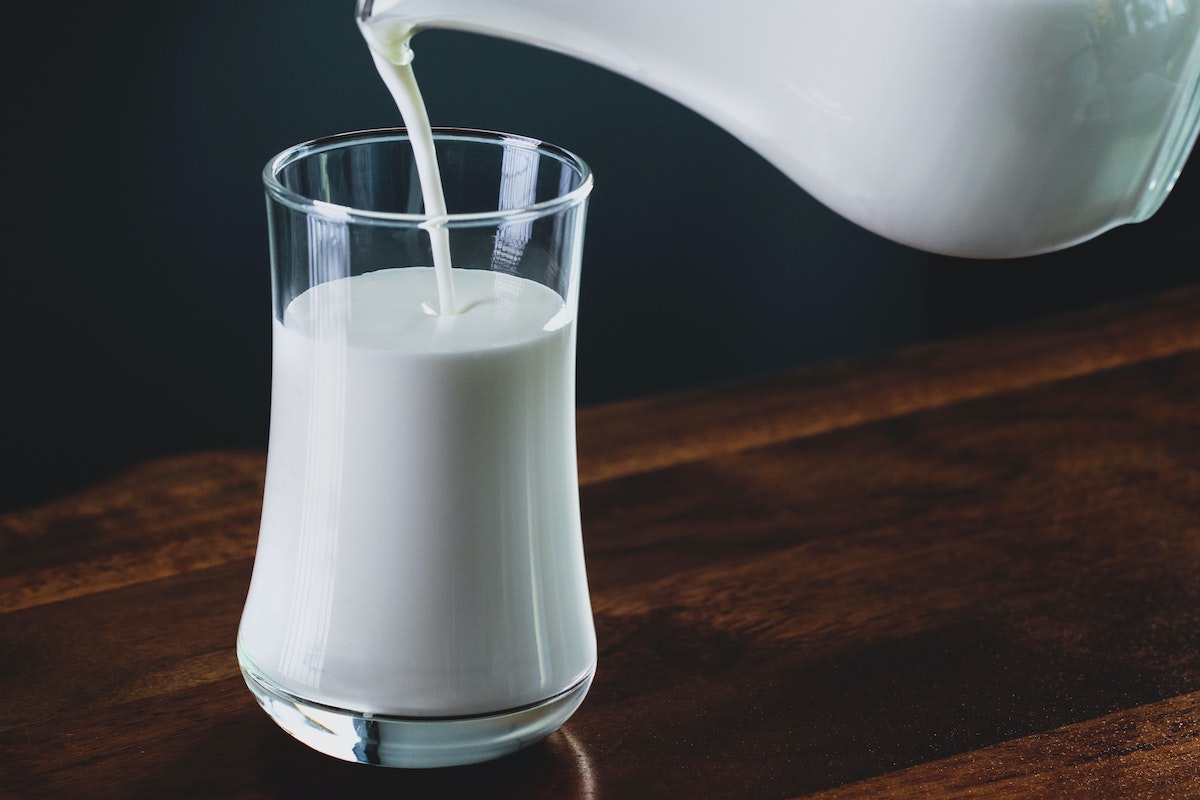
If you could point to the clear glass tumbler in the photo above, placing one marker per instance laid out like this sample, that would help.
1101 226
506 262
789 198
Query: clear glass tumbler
419 595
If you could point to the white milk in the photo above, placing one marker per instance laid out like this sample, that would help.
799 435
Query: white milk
973 127
420 551
393 60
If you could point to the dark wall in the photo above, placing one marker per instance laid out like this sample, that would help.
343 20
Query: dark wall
136 291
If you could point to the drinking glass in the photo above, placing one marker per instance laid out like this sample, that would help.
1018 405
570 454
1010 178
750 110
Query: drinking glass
419 596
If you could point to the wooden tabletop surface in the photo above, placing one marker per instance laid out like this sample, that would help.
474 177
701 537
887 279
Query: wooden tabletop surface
966 569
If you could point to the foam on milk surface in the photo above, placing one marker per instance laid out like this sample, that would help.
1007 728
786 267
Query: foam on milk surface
394 309
422 501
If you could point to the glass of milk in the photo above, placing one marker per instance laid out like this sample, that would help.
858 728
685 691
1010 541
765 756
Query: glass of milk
419 596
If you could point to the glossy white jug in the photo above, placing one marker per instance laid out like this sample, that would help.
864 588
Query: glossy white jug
977 128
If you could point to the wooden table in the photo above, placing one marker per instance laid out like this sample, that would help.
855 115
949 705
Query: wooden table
968 569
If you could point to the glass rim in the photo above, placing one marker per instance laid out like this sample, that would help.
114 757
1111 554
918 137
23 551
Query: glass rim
344 213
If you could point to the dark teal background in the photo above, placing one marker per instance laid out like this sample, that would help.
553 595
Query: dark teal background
136 305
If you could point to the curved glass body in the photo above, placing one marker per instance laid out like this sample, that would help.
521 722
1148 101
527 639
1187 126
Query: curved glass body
419 595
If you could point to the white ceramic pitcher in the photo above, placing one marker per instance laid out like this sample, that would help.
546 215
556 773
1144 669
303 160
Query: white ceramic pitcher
978 128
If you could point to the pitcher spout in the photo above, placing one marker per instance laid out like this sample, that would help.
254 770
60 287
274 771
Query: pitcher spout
541 23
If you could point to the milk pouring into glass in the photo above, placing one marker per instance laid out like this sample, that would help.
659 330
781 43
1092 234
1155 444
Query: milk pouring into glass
419 596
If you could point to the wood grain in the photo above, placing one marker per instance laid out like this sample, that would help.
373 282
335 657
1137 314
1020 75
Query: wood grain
1149 753
164 518
640 435
971 570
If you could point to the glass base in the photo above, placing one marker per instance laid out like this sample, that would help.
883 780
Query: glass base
413 741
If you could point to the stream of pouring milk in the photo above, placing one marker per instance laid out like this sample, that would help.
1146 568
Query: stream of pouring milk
393 59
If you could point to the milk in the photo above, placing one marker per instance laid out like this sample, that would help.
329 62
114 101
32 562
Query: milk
971 127
389 49
420 551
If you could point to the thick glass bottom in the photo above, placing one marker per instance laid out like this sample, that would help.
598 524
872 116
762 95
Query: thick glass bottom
412 741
